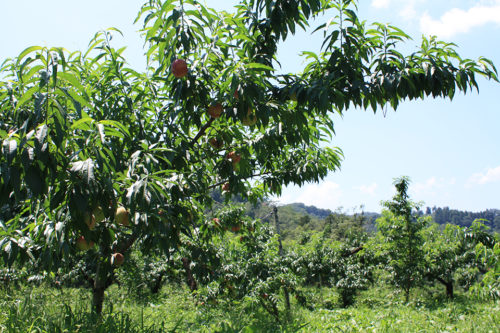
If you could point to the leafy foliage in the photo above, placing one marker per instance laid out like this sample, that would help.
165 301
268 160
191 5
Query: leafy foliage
83 135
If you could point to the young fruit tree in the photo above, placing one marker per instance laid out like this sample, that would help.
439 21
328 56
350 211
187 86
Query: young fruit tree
84 135
400 229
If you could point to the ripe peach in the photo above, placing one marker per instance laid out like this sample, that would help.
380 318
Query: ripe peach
117 259
82 244
215 110
179 68
216 143
250 119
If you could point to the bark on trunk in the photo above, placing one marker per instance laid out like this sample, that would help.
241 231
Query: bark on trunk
97 300
98 289
156 287
104 278
353 251
189 274
449 286
449 289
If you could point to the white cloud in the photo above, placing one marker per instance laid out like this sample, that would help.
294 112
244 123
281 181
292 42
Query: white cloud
325 195
457 20
491 175
426 186
381 3
432 186
367 189
406 9
408 12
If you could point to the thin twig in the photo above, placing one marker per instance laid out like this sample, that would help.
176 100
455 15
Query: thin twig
251 176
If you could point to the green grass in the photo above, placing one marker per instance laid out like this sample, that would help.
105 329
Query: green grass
46 309
383 310
402 318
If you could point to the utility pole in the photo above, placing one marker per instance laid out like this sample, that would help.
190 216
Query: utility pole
280 249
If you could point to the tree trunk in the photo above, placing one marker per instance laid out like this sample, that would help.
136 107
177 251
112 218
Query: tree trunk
97 300
98 289
449 286
352 252
157 285
191 282
449 289
104 276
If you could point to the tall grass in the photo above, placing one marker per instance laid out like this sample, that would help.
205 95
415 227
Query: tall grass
46 309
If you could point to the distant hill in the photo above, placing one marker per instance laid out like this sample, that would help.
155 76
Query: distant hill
311 210
440 215
297 217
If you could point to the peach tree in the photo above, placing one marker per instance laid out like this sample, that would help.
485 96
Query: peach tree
452 254
96 156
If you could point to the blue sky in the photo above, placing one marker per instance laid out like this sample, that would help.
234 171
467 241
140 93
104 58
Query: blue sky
449 149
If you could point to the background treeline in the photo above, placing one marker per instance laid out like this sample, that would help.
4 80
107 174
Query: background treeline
445 215
297 217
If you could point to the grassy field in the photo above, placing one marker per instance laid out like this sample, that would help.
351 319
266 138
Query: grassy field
47 309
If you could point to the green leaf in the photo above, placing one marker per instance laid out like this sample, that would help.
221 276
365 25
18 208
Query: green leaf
84 170
72 79
26 96
41 134
82 123
27 51
34 180
10 149
116 124
259 66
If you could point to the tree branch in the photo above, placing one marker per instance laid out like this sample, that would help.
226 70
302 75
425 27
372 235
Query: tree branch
202 130
126 245
251 176
272 310
441 280
353 252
